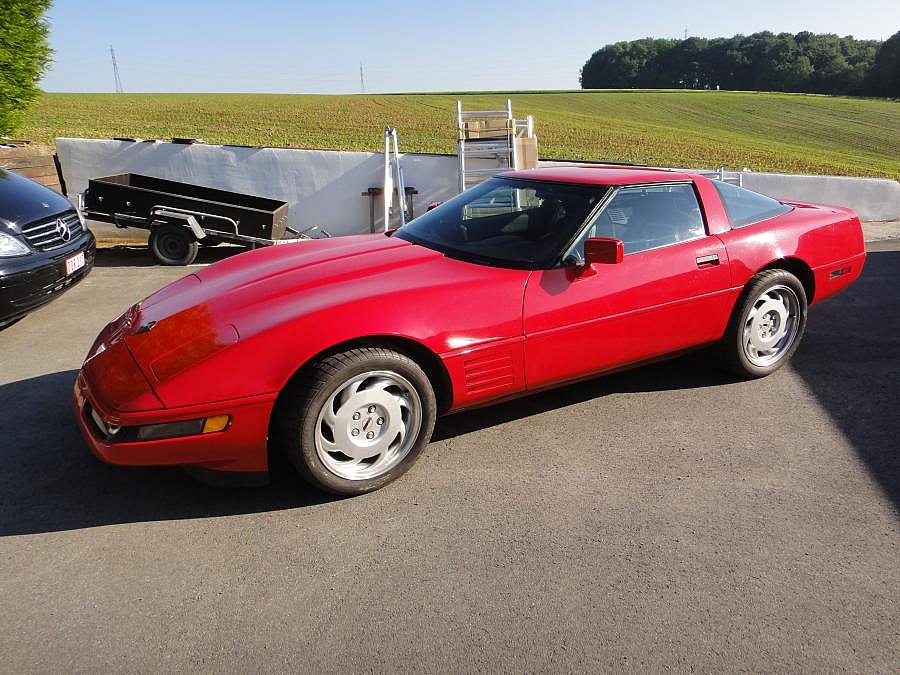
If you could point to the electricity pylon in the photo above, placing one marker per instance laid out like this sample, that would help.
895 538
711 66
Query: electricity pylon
119 89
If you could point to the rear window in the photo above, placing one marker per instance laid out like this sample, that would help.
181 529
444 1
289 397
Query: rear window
745 207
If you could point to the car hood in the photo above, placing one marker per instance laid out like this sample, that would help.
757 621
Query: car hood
242 326
335 268
23 201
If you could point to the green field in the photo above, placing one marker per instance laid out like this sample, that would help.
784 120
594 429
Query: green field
766 132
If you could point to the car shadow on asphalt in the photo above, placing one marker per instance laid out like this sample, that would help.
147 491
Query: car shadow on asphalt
850 359
49 480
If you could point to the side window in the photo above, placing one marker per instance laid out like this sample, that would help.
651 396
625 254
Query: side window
745 207
650 217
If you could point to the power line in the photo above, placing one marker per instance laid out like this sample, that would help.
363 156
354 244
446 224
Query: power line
119 88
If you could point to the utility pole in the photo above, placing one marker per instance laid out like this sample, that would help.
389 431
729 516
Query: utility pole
119 89
685 32
362 80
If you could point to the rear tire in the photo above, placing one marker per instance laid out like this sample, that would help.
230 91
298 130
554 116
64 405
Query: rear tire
766 325
357 420
173 244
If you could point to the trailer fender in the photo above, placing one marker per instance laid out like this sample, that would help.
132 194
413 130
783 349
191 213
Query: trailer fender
185 219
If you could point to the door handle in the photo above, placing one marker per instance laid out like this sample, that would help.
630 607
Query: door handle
705 260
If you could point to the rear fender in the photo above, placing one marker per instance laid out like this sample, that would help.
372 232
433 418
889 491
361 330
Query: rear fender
826 243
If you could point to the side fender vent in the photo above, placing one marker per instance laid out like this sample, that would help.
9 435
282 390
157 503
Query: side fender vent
488 372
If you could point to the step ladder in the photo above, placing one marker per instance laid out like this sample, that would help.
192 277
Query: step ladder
393 179
487 143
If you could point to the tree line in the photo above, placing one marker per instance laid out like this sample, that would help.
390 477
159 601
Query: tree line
24 55
805 62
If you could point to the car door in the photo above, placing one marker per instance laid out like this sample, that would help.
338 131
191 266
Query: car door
669 293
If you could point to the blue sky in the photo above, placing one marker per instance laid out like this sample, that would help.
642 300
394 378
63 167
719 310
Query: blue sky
300 47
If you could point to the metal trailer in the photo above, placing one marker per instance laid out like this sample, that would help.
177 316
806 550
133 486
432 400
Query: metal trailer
181 216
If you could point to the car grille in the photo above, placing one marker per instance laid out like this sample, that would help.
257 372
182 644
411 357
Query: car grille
53 233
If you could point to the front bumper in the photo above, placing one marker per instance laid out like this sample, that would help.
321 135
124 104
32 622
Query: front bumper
33 280
242 447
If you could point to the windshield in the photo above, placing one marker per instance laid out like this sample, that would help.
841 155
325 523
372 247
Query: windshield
506 222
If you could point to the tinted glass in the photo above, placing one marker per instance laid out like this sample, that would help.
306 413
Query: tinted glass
506 222
650 217
745 207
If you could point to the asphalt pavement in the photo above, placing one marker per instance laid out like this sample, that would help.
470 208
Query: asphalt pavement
666 518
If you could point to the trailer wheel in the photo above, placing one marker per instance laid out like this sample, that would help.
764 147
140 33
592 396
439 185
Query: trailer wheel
173 245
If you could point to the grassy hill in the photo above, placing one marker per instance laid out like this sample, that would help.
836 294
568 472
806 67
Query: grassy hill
766 132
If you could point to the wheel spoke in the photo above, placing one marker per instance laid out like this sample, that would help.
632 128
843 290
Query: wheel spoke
349 392
328 412
753 312
382 383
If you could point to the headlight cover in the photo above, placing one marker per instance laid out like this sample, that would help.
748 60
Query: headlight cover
10 246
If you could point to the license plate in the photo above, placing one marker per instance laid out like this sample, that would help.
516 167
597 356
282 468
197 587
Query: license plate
75 263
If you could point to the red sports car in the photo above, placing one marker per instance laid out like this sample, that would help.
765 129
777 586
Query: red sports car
340 353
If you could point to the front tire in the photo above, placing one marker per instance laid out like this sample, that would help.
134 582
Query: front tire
766 326
357 420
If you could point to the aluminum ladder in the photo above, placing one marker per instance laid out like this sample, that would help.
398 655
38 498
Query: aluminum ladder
486 142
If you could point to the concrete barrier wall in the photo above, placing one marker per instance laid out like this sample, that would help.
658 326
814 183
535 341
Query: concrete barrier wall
323 188
873 199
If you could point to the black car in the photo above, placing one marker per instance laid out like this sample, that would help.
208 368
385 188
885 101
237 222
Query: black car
45 247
